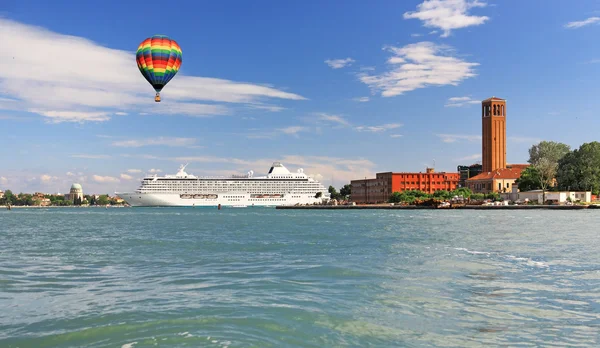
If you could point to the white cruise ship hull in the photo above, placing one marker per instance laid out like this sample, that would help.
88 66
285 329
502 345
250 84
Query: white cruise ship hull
224 199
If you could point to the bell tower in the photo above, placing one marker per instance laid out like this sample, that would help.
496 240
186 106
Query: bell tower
493 135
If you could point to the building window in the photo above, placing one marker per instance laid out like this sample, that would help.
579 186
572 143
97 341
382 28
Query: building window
499 187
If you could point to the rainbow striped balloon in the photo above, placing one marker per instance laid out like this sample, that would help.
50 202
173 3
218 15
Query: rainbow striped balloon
158 58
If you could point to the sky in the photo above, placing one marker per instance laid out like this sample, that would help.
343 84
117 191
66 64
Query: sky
341 89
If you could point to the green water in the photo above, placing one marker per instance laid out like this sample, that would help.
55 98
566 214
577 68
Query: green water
258 277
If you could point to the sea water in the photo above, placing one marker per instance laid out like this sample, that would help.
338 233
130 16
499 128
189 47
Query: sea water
259 277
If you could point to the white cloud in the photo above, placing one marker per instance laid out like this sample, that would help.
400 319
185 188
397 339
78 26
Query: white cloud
3 180
126 177
461 101
45 178
579 24
91 156
376 129
447 15
105 179
154 171
134 171
419 65
62 86
395 135
272 108
72 116
121 113
333 118
361 99
70 174
452 138
164 141
472 157
270 134
339 63
293 130
416 35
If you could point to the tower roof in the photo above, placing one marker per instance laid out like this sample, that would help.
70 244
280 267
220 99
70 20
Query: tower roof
493 99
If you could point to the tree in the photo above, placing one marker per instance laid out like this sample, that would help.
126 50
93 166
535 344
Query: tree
346 191
580 169
9 198
544 157
103 200
333 193
529 179
477 196
319 194
442 194
462 191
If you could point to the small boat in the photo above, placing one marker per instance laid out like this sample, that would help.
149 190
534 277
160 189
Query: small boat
239 206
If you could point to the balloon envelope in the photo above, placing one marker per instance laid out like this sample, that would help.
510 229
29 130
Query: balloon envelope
158 58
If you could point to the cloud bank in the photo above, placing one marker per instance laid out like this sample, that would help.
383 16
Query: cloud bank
71 79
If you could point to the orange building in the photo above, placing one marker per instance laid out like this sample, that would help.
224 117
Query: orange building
379 189
493 134
496 175
499 180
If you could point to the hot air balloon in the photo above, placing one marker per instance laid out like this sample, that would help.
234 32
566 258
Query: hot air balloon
158 58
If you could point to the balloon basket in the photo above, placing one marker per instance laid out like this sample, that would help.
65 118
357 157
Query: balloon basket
157 98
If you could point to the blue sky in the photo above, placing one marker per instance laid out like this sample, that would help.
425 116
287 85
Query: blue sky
343 90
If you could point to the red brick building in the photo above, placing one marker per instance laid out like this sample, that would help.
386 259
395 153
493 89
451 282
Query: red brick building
493 137
496 175
379 189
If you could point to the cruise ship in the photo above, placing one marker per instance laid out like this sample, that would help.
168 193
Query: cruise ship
278 187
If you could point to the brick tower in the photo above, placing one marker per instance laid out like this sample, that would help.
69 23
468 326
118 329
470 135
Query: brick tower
493 135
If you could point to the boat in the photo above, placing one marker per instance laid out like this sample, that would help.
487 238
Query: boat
278 187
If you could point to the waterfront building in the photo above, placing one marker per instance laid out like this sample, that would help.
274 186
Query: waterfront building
551 197
379 189
1 194
75 194
496 175
467 172
499 180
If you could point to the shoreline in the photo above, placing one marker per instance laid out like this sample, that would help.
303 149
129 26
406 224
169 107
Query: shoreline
465 207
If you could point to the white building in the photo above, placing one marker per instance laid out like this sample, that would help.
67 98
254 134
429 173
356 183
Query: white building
551 197
76 192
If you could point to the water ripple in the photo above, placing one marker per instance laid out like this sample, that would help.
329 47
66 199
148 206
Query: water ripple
267 278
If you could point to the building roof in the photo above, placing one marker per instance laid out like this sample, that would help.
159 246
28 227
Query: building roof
76 186
493 98
518 166
503 173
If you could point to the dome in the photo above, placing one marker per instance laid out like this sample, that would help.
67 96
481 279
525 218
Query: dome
76 187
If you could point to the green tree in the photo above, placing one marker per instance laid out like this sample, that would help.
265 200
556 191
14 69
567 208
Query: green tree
462 191
442 194
346 191
401 197
333 193
544 157
477 196
319 194
9 197
529 179
580 169
103 200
